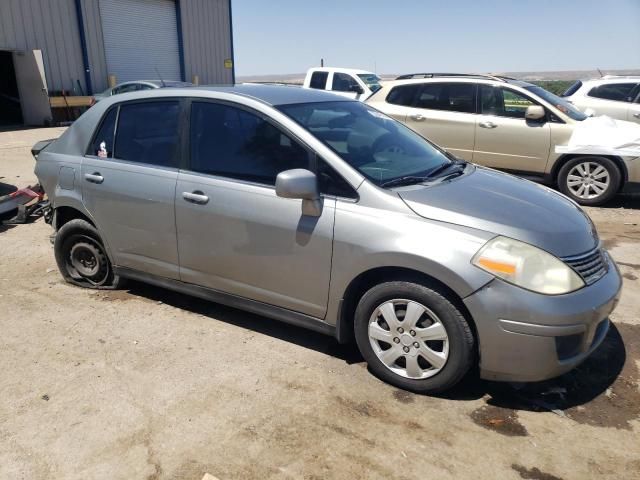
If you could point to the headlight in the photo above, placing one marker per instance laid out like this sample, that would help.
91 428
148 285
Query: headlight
527 266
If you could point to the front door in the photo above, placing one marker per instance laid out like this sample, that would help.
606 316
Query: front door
32 86
234 234
129 185
445 114
504 138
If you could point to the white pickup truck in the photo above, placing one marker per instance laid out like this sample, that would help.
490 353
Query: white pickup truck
348 82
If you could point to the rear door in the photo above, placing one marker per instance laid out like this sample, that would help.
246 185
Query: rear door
504 139
129 181
398 101
445 114
633 114
235 234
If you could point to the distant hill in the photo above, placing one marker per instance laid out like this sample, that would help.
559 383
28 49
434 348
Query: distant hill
298 78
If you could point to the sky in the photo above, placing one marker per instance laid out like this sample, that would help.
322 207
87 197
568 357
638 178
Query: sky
395 36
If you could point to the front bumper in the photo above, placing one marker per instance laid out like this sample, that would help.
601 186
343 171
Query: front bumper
526 337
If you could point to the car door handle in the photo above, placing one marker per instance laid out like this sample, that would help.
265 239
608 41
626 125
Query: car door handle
195 197
637 115
94 177
418 117
487 125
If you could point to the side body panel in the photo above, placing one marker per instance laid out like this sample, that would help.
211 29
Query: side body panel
453 131
249 242
512 143
133 208
370 236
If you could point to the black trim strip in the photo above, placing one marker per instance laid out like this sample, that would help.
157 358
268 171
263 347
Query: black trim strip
83 47
253 306
180 41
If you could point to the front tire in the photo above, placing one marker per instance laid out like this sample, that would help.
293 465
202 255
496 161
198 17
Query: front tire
81 257
413 336
589 181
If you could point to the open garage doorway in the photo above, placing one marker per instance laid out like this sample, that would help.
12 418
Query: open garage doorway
10 109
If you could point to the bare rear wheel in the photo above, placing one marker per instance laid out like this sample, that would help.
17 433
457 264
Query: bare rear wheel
81 256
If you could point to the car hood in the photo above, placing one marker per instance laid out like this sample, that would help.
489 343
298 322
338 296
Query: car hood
506 205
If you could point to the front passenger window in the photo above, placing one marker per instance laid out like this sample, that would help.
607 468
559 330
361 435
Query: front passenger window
234 143
502 102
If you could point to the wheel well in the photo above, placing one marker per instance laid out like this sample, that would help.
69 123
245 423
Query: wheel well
65 214
565 158
363 282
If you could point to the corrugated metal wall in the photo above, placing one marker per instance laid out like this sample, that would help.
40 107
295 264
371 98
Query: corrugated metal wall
50 26
206 33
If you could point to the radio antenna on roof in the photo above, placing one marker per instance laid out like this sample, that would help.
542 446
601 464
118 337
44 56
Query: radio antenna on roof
159 76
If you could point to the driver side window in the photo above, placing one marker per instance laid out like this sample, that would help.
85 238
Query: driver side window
343 82
503 102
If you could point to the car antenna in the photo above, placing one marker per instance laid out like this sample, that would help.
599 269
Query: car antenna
160 77
601 75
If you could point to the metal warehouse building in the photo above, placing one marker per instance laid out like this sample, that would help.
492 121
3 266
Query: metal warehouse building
73 46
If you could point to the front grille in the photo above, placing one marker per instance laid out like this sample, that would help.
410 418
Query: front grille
590 266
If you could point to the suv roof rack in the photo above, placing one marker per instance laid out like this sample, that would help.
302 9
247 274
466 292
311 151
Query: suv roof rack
606 77
500 78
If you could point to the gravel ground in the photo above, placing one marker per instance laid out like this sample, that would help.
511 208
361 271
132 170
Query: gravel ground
145 383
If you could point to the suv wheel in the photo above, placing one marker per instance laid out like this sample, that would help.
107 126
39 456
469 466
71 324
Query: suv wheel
413 337
81 257
589 180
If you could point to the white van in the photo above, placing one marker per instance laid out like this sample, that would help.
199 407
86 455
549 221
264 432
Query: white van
348 82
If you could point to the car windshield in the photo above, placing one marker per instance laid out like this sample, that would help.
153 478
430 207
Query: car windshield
560 103
371 80
380 148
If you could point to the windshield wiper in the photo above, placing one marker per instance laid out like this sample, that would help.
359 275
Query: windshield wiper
461 164
407 180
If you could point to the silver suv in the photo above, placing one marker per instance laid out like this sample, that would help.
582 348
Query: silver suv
325 213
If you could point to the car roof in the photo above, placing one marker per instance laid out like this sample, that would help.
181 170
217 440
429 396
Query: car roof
157 83
460 79
273 95
340 70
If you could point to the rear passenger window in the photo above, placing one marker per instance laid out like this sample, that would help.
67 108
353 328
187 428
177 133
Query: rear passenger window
453 97
148 133
403 95
319 80
233 143
102 145
620 92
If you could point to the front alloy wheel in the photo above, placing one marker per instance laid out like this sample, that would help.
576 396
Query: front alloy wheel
409 339
414 335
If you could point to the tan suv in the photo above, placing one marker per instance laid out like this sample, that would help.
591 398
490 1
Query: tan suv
509 125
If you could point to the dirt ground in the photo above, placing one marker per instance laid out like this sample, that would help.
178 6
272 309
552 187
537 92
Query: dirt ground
145 383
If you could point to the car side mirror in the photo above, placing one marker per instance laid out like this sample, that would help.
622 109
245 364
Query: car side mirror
357 89
535 112
303 184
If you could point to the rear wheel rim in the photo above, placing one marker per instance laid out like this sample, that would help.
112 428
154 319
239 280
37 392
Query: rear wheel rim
85 260
409 339
588 180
